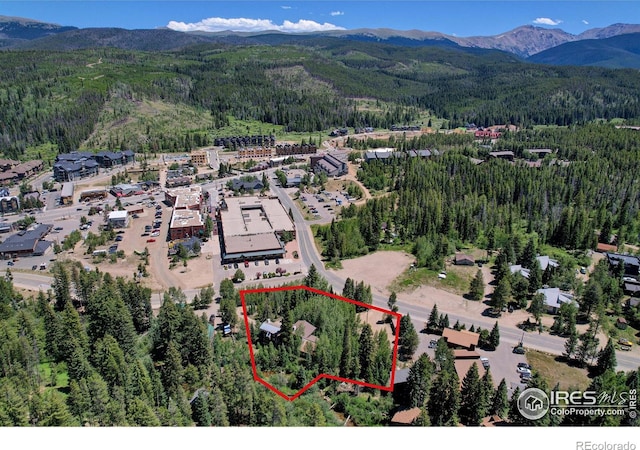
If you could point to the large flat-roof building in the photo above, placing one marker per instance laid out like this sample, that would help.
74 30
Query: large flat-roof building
251 228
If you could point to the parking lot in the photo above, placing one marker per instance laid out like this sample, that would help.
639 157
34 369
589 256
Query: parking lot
503 363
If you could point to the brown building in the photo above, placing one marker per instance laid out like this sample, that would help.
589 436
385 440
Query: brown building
199 158
255 152
185 223
461 339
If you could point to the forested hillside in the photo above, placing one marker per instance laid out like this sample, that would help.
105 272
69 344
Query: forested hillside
584 191
59 100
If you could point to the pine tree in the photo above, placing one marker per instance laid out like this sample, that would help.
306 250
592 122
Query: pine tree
606 358
444 399
408 339
494 337
471 409
500 401
349 290
433 323
366 353
419 381
501 295
535 277
570 345
476 290
200 410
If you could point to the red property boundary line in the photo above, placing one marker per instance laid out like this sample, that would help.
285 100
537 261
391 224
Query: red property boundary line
257 378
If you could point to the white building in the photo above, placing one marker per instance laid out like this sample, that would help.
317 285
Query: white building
119 219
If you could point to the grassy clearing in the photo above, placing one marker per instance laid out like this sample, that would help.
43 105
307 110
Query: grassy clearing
456 282
62 377
554 371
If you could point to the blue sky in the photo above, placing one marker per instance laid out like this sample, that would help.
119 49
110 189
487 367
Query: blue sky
460 18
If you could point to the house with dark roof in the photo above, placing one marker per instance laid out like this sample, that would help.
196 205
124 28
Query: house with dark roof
464 260
505 154
26 243
246 185
631 263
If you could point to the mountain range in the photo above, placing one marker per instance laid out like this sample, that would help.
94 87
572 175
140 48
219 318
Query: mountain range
615 46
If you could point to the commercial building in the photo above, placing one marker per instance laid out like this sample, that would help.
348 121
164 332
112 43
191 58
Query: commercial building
185 198
77 165
119 219
185 223
251 228
332 164
26 243
66 194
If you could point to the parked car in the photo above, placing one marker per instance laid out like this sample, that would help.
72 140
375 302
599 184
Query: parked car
11 263
235 265
58 228
523 370
277 261
118 238
257 263
524 377
34 267
519 350
524 365
246 263
155 234
485 362
266 262
433 343
151 240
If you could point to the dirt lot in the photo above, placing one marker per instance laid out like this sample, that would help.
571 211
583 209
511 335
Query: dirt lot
377 269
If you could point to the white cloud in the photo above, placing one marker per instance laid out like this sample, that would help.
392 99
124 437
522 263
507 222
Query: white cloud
546 21
337 13
585 22
285 7
243 24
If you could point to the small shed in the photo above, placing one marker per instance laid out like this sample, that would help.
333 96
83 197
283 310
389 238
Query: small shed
621 323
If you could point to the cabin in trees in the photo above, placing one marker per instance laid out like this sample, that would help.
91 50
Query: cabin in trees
306 330
505 154
464 260
462 339
554 298
405 416
269 331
